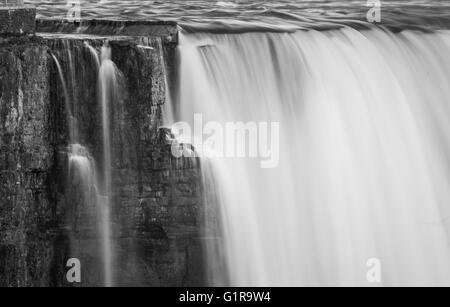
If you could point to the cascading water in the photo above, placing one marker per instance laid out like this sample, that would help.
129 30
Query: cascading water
94 54
68 48
82 174
70 118
95 188
108 93
363 166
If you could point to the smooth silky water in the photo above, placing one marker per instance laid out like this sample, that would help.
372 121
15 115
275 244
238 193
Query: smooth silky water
364 143
94 178
108 89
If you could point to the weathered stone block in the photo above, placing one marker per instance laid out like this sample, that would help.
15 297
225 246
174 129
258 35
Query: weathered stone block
17 21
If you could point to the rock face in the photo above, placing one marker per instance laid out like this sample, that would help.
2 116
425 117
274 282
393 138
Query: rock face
155 220
28 215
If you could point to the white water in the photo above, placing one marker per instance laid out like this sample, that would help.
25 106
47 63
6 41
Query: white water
364 166
108 87
94 54
82 169
82 166
96 190
72 126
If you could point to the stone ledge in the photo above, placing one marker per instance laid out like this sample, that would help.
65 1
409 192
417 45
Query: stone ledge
17 21
165 29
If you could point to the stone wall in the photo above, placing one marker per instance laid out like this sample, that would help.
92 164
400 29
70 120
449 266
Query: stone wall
157 203
28 215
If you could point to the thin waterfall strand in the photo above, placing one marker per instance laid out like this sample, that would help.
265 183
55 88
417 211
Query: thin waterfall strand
94 54
67 101
108 92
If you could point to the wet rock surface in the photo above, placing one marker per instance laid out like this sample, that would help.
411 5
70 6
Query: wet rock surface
156 197
27 213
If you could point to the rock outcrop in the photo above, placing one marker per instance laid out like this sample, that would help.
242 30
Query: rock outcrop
156 197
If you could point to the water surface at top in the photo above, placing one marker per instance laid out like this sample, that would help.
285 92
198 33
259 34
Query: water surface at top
211 14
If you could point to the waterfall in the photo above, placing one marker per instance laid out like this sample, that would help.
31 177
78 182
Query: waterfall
93 187
108 92
94 54
363 166
70 118
85 190
83 181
